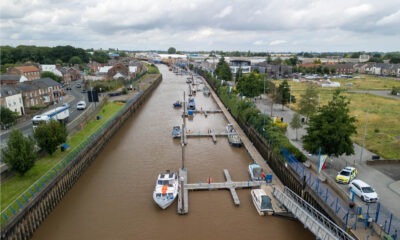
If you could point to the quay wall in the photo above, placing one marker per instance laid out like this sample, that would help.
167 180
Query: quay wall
24 223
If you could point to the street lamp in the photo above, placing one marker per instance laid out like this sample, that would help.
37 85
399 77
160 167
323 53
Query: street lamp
365 133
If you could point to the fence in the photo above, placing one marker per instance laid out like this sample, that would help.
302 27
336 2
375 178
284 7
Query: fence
351 217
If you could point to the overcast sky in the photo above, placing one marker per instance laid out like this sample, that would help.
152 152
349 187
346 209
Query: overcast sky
195 25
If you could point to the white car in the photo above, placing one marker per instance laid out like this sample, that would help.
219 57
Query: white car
363 190
81 105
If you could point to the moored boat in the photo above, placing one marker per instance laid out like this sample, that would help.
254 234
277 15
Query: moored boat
166 189
262 202
176 132
177 104
206 91
256 172
191 104
233 137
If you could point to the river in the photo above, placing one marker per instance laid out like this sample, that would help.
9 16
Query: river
113 199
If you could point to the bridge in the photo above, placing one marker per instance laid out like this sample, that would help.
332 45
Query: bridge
315 221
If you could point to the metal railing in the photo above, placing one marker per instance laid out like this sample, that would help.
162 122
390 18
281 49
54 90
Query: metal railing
321 226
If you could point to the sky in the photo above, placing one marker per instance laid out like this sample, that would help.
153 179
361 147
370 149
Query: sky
204 25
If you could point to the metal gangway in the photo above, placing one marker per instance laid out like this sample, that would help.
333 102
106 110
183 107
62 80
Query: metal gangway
315 221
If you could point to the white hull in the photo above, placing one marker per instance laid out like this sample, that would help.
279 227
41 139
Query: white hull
166 189
255 172
259 197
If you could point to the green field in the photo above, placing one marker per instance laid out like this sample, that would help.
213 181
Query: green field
383 118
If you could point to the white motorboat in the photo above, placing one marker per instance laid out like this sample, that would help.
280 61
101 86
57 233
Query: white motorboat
166 189
256 172
176 132
191 104
262 202
233 136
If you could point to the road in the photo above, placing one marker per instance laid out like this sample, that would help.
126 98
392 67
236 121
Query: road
72 97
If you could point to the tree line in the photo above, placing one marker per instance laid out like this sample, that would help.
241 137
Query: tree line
63 55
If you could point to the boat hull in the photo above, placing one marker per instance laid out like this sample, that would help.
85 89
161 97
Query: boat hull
166 189
257 196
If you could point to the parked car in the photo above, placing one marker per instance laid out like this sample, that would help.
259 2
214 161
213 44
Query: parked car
78 85
81 105
83 91
346 175
363 190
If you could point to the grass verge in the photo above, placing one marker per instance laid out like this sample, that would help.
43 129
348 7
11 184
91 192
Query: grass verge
16 185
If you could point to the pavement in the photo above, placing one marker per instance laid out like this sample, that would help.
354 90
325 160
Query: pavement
387 188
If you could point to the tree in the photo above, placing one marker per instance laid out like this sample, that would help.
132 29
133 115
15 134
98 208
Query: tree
223 70
296 123
8 117
283 93
51 75
331 128
100 57
50 135
251 85
171 50
19 154
308 101
75 60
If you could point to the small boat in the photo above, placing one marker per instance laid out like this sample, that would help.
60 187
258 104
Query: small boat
176 132
166 189
256 172
233 137
262 202
191 104
177 104
206 91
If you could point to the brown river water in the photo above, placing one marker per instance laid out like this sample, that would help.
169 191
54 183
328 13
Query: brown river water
113 199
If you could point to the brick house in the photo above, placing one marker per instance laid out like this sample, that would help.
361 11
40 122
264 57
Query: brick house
7 79
40 92
30 72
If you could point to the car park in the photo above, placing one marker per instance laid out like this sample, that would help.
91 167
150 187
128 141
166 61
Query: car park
346 175
81 105
363 190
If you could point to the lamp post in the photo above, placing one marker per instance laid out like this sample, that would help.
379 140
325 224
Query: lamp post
264 120
365 133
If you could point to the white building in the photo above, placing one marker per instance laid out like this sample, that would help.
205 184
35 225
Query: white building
51 68
12 99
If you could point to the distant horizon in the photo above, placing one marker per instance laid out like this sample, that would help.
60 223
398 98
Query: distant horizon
205 51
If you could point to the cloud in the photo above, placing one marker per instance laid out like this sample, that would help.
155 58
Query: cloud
257 25
278 42
225 12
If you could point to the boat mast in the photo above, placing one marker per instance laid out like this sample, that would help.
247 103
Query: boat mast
183 131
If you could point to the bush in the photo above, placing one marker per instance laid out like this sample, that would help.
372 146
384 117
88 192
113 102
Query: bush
19 154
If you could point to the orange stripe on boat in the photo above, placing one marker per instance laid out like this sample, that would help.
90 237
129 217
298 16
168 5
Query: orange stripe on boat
164 189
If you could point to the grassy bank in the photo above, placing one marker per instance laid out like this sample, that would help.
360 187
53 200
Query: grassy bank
16 185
